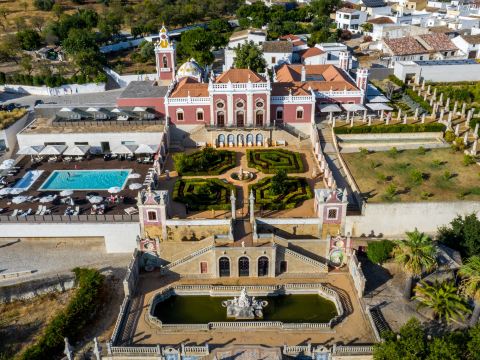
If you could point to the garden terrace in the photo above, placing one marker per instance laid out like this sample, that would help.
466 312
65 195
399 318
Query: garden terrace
272 160
8 118
390 129
205 162
296 191
414 175
203 194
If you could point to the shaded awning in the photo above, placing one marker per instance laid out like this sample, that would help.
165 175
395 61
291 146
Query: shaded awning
328 108
30 150
379 107
53 150
77 150
354 107
378 99
125 149
146 149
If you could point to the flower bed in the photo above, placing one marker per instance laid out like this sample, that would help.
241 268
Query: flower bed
297 191
272 160
205 162
203 194
397 128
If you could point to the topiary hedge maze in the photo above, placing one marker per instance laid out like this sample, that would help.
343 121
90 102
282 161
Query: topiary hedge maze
297 192
271 160
205 162
203 194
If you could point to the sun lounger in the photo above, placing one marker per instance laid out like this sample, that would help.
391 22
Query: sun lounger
44 210
26 213
131 211
39 210
15 213
78 158
67 159
77 210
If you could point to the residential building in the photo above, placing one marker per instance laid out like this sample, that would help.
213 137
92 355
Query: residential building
468 45
438 70
375 7
350 19
313 56
277 52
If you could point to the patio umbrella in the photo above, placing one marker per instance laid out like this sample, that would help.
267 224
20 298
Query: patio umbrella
135 186
19 199
124 149
7 164
134 176
77 150
47 199
5 191
53 150
16 191
30 150
95 199
146 149
66 192
114 190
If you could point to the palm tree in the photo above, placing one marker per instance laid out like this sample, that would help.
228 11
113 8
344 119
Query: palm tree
443 299
470 285
416 254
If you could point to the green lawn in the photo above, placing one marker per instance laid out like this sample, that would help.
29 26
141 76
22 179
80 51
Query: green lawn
413 175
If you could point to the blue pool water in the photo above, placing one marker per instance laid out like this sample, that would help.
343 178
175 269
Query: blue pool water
28 179
85 179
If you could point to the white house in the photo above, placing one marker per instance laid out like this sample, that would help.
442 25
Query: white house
350 19
375 7
469 45
277 52
313 56
438 71
257 36
333 51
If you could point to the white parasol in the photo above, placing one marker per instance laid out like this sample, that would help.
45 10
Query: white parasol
135 186
53 150
146 149
94 199
19 199
134 176
114 190
30 150
77 150
47 199
66 192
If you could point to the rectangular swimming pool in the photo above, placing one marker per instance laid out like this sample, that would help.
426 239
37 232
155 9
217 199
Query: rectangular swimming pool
85 180
28 179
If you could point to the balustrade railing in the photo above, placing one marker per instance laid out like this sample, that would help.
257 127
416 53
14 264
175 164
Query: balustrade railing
68 218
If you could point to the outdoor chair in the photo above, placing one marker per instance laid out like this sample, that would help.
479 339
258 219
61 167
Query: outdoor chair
15 213
39 210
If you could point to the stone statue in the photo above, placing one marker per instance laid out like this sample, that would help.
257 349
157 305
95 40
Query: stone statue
244 307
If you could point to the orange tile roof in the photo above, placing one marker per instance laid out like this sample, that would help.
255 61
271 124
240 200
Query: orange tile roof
313 51
294 39
326 77
190 87
240 76
283 89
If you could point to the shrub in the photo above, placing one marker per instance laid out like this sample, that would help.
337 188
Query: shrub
396 81
364 152
44 5
396 128
390 192
447 175
393 152
416 177
449 136
458 144
421 150
379 251
72 321
468 160
272 160
205 162
203 194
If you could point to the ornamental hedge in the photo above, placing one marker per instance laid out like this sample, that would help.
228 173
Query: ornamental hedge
72 321
205 162
203 194
297 191
271 160
396 128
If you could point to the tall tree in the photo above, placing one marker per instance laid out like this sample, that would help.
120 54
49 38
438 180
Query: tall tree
443 299
470 285
250 56
462 234
416 254
197 44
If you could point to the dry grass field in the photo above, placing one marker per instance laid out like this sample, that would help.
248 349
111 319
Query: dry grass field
413 175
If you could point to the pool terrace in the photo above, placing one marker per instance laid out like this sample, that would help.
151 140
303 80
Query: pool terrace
114 211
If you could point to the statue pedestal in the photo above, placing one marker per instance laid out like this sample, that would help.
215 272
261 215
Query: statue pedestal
244 307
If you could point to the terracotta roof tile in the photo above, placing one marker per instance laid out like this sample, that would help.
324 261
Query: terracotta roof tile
405 46
438 42
381 20
240 76
313 51
190 87
346 10
472 39
277 47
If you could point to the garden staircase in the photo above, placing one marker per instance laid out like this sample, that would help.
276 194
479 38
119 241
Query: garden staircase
321 267
187 258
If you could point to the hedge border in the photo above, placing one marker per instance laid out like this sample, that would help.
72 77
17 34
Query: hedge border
391 129
272 170
201 207
230 163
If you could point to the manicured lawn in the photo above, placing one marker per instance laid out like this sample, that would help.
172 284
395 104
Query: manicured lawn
271 160
203 194
414 175
205 162
296 192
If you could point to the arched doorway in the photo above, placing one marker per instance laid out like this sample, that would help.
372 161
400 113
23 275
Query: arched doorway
230 139
224 267
249 139
243 266
240 140
262 266
220 119
240 118
259 139
259 118
221 139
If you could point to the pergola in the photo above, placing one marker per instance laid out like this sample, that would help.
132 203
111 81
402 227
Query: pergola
330 109
379 107
354 108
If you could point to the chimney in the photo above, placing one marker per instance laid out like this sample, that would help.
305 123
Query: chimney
304 74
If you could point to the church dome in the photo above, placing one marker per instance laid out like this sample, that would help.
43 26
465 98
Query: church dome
190 69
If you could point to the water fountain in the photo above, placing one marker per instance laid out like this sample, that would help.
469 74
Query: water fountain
242 175
244 307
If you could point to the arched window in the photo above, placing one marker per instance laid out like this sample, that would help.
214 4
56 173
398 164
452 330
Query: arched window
180 115
240 104
263 266
221 139
299 113
259 139
240 139
259 104
231 139
224 267
243 266
259 118
199 114
240 118
249 139
220 105
165 61
221 119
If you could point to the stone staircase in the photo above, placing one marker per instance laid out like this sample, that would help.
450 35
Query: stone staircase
187 258
378 320
306 259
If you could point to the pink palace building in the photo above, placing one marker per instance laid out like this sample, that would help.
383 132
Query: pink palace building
240 100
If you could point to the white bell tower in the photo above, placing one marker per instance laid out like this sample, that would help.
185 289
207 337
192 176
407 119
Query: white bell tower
165 55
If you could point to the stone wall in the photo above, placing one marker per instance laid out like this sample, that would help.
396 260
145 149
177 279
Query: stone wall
194 232
394 219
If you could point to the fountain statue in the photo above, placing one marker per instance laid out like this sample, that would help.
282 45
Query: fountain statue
240 174
244 307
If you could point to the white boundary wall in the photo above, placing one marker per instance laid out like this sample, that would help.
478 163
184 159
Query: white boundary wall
56 91
119 237
394 219
124 80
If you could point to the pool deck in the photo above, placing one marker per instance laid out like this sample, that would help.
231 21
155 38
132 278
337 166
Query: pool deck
353 329
57 208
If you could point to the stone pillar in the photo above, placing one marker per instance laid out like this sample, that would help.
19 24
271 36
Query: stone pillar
348 116
428 89
382 113
455 108
369 121
435 93
457 130
474 147
465 138
475 132
416 114
333 120
447 104
464 108
469 117
423 118
399 114
249 111
419 92
233 205
449 123
252 207
441 98
365 116
351 120
68 350
440 119
431 101
425 97
405 119
97 350
423 84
